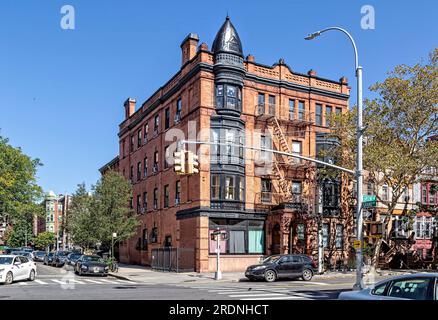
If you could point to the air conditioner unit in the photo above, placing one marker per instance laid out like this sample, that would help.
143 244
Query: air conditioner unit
177 118
155 169
177 201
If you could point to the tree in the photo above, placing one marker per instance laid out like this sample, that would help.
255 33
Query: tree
19 192
44 239
398 125
111 198
20 233
82 221
94 217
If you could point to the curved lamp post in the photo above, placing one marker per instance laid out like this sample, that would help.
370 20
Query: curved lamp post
359 166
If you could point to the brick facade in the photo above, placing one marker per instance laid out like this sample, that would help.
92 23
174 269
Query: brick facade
186 224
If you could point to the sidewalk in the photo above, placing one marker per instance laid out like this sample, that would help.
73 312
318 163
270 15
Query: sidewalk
146 274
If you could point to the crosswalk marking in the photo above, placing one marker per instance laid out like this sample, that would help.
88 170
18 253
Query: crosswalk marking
275 298
22 283
93 281
109 281
255 295
40 282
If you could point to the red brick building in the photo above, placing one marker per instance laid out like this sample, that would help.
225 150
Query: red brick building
264 202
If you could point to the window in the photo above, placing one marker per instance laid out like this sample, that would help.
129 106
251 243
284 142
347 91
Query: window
228 96
415 289
229 187
339 236
291 109
328 114
214 147
241 190
301 236
145 167
154 235
379 290
131 173
178 111
156 124
168 241
318 114
325 235
132 144
144 240
145 201
228 153
301 110
166 118
266 143
139 137
296 149
166 196
266 186
155 198
255 241
138 203
296 190
237 241
146 129
215 186
131 203
156 159
385 193
138 171
166 157
261 103
338 110
177 193
271 105
423 227
424 194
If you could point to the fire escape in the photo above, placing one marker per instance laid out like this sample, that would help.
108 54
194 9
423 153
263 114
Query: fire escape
283 168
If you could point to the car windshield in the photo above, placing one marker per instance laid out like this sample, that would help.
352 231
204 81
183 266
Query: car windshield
18 253
93 259
75 256
50 254
271 259
39 253
6 260
63 253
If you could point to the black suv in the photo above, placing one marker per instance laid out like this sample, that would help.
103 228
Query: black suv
59 258
283 266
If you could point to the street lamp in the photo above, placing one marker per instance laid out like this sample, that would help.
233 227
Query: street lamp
114 235
359 166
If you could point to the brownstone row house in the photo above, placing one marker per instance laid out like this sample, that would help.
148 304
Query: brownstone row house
265 203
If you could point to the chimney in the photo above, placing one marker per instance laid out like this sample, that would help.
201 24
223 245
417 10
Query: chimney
129 107
189 47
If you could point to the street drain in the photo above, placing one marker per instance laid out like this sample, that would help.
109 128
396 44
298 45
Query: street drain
126 287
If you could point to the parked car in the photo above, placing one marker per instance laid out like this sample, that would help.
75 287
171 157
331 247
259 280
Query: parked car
39 256
14 268
10 250
72 258
26 254
418 286
59 258
48 258
91 264
283 266
26 249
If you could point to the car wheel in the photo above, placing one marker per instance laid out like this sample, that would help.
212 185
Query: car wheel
31 275
9 278
270 275
307 275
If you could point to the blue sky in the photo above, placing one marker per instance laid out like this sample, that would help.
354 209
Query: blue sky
61 91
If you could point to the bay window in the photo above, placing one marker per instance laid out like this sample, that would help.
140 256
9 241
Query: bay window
228 97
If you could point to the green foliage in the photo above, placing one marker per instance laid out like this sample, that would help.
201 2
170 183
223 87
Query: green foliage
19 192
95 216
19 233
44 239
398 125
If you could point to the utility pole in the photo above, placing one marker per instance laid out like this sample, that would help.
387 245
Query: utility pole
359 165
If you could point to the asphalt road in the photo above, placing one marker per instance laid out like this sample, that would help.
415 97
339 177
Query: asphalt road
61 284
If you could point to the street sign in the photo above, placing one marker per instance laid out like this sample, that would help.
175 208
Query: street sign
357 244
369 201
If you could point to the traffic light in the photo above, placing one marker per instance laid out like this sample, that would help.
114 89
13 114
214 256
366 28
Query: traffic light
192 162
179 162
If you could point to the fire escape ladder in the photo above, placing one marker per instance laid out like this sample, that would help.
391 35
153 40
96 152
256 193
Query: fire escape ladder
281 139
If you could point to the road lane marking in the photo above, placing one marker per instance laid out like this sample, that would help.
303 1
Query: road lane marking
75 281
22 283
256 295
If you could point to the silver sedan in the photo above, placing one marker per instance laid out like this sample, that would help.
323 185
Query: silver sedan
419 286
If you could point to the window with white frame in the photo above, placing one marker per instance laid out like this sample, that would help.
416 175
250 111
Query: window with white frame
423 227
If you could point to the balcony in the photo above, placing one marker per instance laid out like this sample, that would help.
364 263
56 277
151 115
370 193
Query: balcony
263 113
300 117
274 198
227 205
